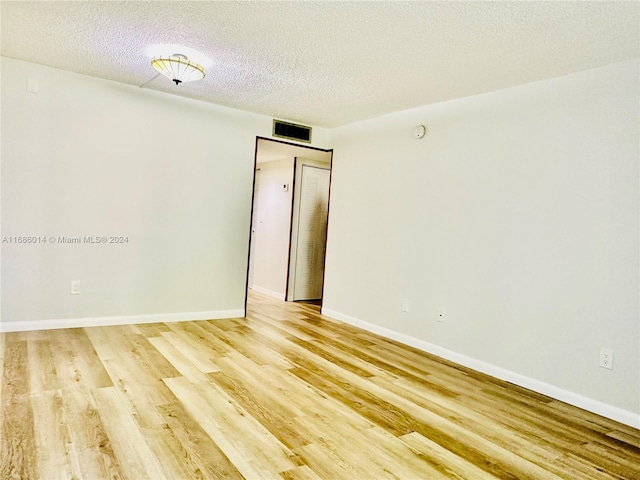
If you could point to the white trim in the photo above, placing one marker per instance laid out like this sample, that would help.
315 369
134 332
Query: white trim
586 403
124 320
266 291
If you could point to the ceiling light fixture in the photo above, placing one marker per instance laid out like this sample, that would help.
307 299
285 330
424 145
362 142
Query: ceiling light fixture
178 68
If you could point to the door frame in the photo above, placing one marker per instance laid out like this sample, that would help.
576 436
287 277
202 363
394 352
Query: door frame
253 192
251 269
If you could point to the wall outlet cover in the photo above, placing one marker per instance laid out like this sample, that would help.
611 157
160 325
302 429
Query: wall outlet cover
406 304
606 358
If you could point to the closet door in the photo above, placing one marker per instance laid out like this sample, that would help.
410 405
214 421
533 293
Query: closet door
311 233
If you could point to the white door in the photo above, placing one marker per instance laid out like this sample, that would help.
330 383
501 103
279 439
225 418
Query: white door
311 233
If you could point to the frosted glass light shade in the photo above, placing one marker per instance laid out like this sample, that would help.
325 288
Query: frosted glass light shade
178 68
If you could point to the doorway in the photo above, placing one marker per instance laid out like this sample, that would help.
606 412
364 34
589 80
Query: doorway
286 255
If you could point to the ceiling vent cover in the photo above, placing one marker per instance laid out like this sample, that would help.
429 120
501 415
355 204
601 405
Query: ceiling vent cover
291 131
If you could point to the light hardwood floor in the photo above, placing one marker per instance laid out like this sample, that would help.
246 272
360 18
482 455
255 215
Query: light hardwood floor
283 394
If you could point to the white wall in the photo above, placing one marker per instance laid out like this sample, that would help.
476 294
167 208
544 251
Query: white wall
89 157
518 213
273 226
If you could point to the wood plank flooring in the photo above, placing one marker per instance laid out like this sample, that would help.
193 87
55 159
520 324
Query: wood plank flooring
282 394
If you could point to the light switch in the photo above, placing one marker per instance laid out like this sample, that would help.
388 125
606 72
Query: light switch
32 85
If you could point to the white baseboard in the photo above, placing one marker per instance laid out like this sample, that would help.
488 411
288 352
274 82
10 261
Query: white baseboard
566 396
52 324
266 291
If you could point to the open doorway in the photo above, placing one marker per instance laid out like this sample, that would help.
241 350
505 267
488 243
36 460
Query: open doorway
289 220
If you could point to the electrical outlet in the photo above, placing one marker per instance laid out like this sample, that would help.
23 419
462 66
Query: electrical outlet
75 287
606 358
441 315
405 304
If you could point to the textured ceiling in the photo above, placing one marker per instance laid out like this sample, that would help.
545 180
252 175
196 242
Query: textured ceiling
326 63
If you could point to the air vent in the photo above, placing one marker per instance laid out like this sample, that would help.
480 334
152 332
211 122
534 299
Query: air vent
291 131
